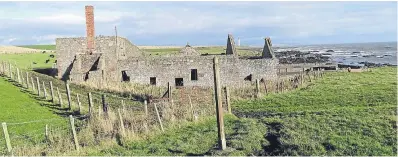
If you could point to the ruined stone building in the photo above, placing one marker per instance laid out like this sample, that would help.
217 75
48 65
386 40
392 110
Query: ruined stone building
100 59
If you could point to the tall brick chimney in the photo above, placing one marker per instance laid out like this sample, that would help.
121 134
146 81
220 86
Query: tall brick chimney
90 29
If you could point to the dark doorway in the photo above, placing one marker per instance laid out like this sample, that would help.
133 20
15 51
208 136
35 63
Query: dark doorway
248 78
86 77
179 82
152 80
194 74
125 77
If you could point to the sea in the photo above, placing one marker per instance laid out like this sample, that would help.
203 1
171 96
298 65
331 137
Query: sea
352 54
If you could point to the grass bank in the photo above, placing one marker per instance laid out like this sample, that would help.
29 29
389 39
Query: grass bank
341 114
25 115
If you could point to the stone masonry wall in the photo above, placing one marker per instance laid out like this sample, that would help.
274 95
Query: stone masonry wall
233 70
67 48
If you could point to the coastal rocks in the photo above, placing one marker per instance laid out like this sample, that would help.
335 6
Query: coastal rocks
297 57
329 51
370 64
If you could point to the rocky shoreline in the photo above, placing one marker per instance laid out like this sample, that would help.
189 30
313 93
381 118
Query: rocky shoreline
297 57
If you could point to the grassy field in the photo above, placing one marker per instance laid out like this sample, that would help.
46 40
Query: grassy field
196 138
341 114
40 47
25 115
30 60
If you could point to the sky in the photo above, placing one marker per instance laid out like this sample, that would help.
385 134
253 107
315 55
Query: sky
202 23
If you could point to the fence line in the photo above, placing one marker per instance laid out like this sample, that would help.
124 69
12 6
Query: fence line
157 111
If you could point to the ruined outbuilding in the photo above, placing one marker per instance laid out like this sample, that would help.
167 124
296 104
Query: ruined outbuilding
189 51
115 59
267 50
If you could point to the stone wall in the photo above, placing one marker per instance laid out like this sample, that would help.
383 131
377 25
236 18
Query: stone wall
233 70
111 48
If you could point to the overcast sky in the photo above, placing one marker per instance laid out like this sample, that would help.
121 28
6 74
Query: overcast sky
202 23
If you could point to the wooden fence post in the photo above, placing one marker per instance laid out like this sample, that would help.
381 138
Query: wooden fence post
257 88
227 100
79 104
104 104
23 82
18 76
169 93
68 95
33 84
52 92
27 80
59 98
219 109
10 70
191 108
38 86
301 78
44 91
146 107
146 116
90 104
160 120
265 86
72 126
277 86
123 132
7 138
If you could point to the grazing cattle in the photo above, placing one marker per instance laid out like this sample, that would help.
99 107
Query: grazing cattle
51 56
47 60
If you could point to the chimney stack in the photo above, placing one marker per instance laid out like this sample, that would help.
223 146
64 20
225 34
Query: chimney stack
90 29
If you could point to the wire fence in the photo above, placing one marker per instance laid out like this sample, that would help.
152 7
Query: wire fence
110 116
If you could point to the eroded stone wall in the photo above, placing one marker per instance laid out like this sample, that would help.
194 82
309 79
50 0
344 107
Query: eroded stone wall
111 48
233 70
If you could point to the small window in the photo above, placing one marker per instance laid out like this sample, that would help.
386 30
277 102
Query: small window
152 80
194 74
179 81
248 78
125 77
86 77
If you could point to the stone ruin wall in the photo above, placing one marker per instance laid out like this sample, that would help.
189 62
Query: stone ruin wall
111 49
233 70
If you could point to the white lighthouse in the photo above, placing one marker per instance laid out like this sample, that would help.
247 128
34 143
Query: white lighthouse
238 42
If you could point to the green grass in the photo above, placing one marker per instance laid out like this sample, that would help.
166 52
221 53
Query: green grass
40 47
200 138
25 116
27 60
342 114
